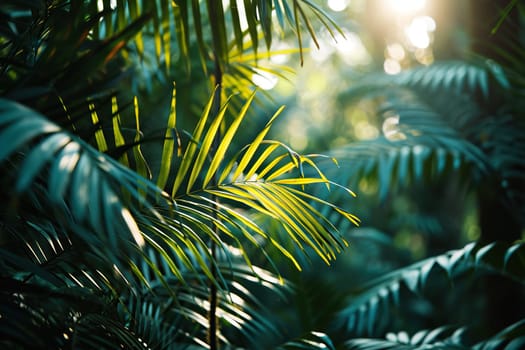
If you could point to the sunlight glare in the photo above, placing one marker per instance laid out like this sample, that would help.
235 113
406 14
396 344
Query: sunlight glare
112 5
390 128
418 32
264 80
235 251
426 22
417 36
351 48
406 6
323 53
338 5
280 58
240 10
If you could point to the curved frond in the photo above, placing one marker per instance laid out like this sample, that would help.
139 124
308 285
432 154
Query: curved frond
443 338
455 77
135 231
88 193
454 113
313 340
422 340
512 337
397 164
265 176
182 309
37 316
368 310
376 344
192 22
452 78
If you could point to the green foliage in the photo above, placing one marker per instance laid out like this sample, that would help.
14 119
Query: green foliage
450 124
443 338
437 121
368 312
100 250
119 227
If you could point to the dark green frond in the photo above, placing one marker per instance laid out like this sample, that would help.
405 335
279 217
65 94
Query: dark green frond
180 316
313 340
443 338
367 312
455 78
87 192
447 118
35 316
398 164
511 338
452 78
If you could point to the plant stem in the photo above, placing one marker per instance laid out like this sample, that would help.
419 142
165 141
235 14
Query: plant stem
213 329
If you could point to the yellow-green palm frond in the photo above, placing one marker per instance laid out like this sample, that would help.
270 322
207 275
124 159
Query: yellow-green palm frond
208 24
265 176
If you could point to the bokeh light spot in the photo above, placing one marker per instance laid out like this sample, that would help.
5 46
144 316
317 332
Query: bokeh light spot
392 66
395 51
351 49
338 5
424 56
418 32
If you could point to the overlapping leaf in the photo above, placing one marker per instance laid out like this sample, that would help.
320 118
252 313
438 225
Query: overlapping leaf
109 206
313 340
368 310
396 165
438 120
183 18
184 317
443 338
260 177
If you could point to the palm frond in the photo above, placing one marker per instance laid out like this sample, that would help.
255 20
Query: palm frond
100 204
453 78
84 189
367 312
397 164
482 79
512 337
448 117
260 177
46 255
313 340
182 309
34 315
502 140
182 18
402 342
442 338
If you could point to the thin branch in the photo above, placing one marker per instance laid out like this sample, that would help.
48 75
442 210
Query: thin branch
214 293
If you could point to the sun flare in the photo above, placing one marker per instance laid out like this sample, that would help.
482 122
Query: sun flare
405 6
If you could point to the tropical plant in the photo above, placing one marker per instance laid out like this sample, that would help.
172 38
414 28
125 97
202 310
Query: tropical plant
100 250
453 125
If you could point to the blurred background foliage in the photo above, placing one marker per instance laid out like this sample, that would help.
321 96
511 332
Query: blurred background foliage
420 102
422 105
